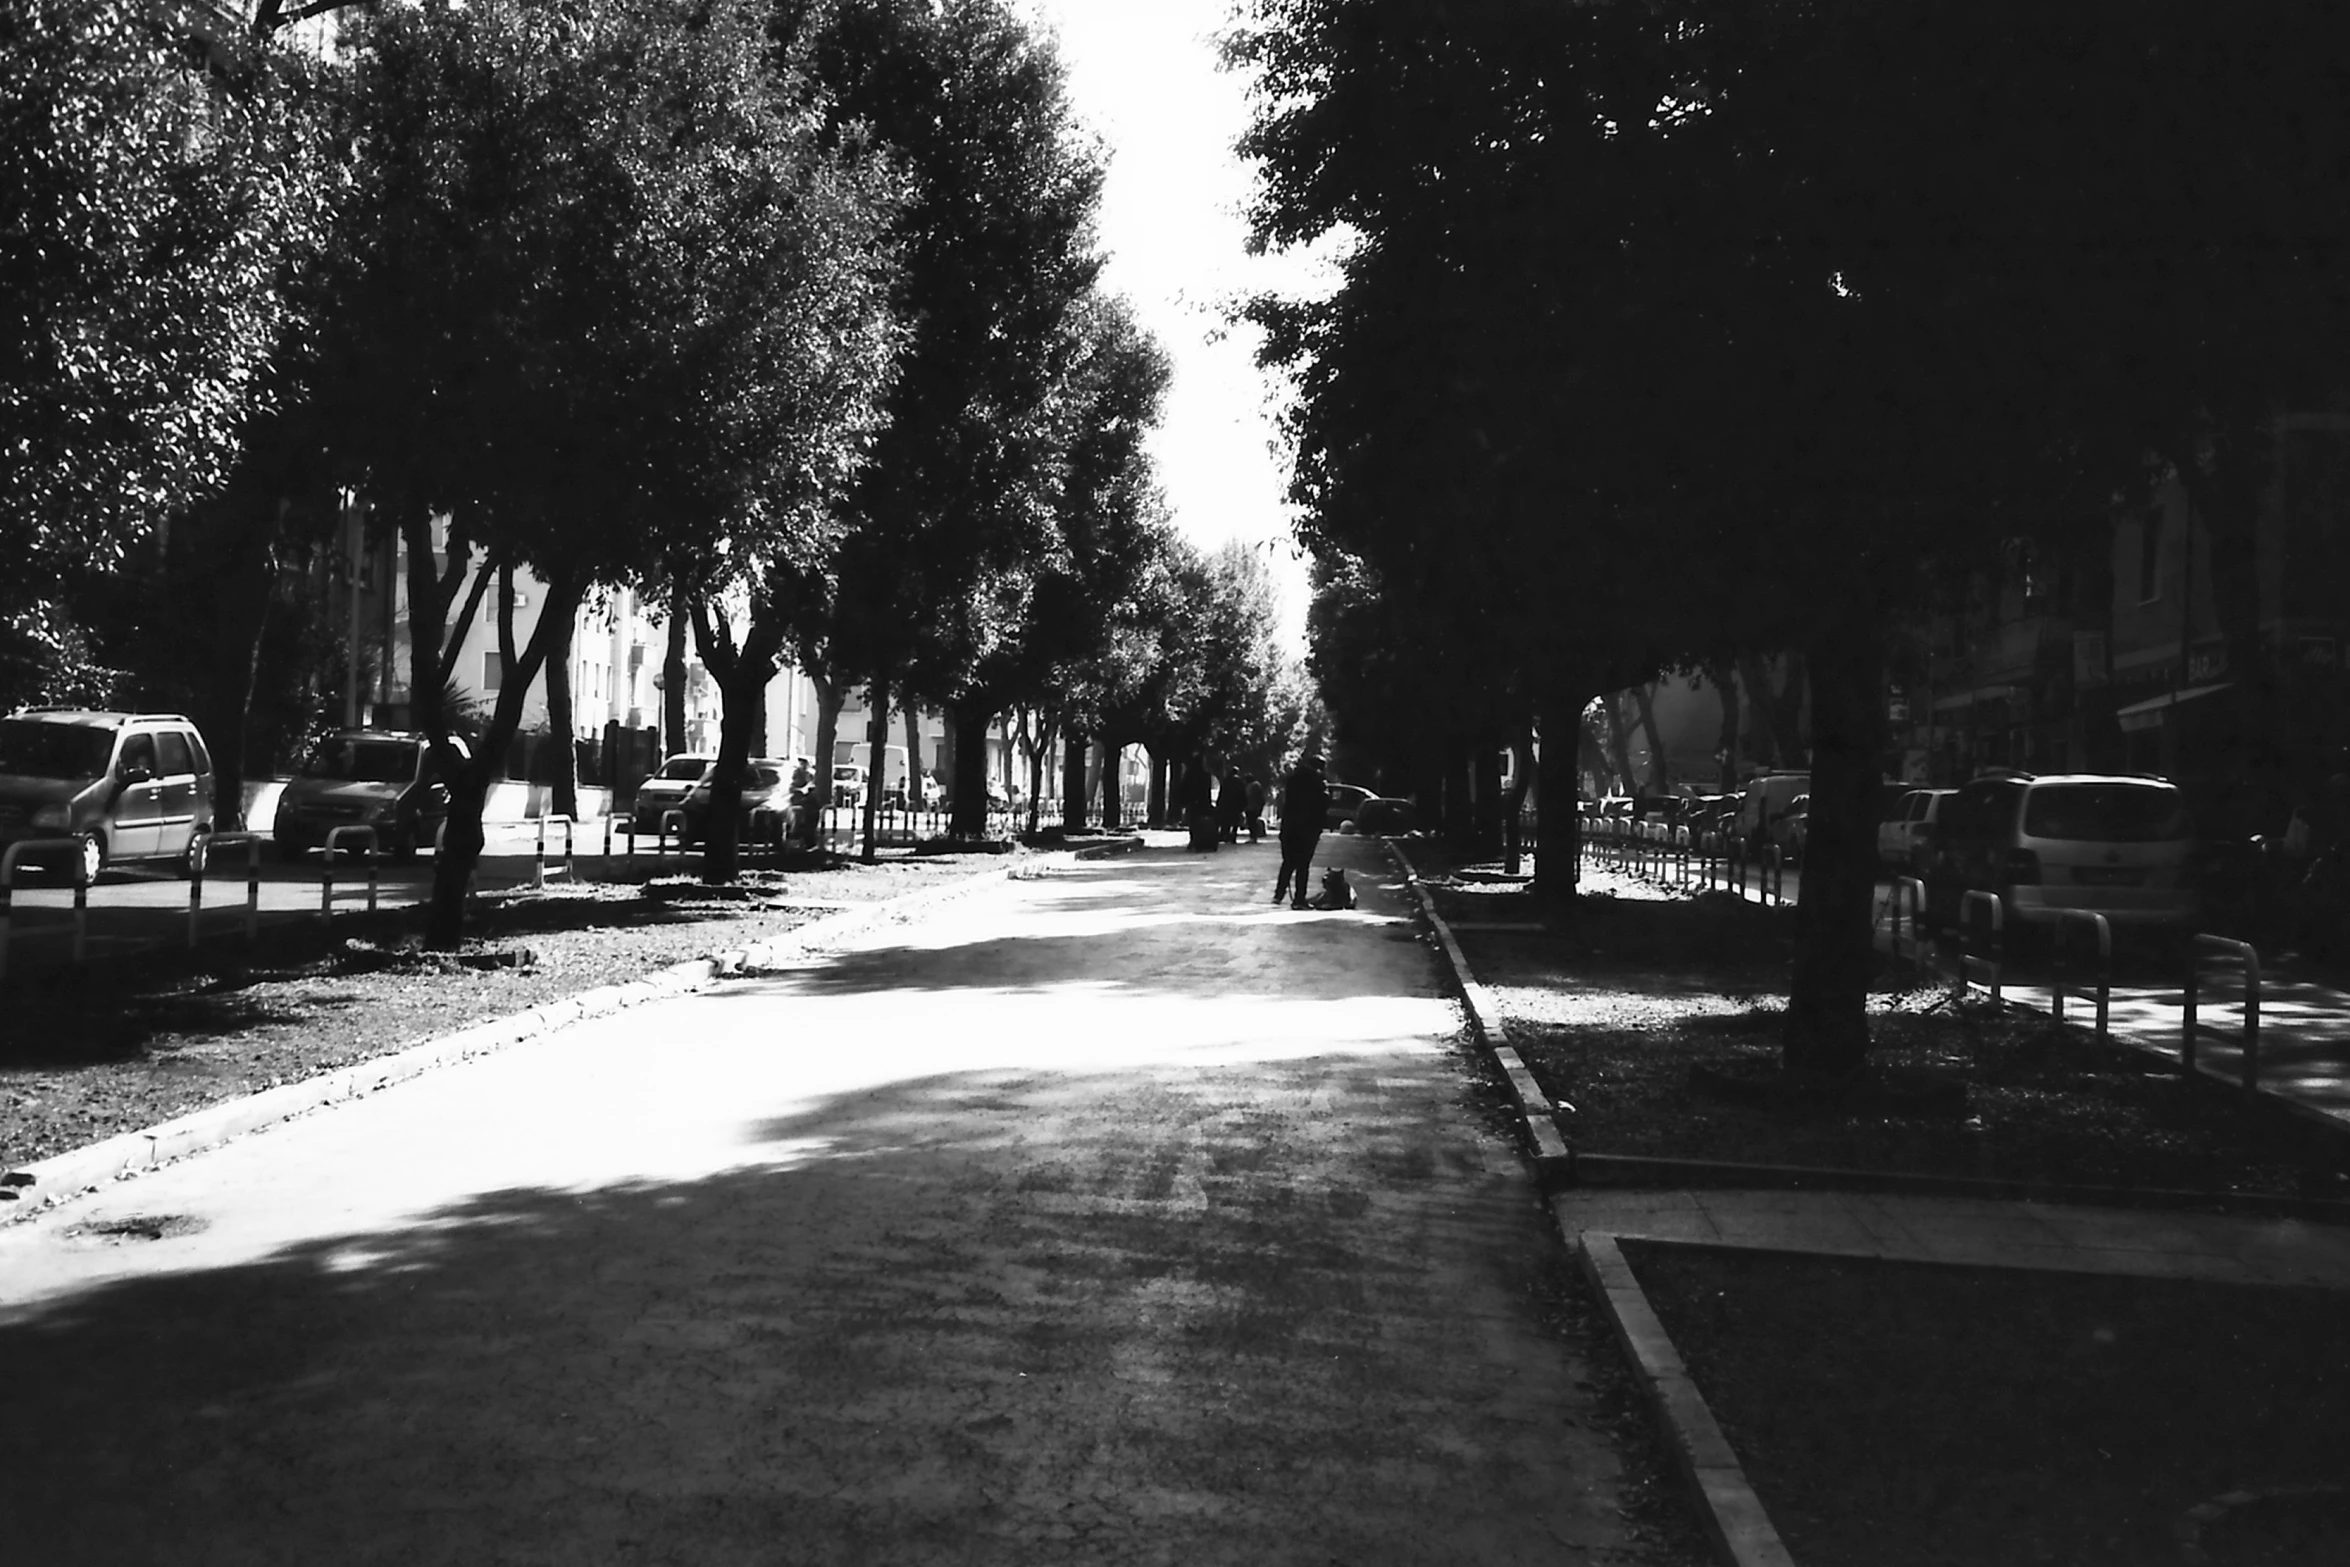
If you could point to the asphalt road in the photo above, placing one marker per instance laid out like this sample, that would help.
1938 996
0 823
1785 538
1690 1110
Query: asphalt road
1113 1216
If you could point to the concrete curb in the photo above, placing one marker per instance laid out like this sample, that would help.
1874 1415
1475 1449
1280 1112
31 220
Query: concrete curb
1537 1116
46 1183
1742 1532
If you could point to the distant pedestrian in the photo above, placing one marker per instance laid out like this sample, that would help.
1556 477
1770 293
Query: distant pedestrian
1305 800
1231 806
1256 809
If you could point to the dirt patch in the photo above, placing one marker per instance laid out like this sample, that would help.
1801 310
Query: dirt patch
1893 1414
1657 1016
111 1047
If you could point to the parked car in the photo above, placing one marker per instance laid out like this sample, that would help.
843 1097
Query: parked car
1903 841
1792 831
1386 816
123 786
848 783
1346 803
2114 846
387 779
765 815
666 790
1765 802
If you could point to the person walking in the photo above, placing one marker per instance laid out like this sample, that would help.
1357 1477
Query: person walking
1231 806
1256 809
1199 804
1305 800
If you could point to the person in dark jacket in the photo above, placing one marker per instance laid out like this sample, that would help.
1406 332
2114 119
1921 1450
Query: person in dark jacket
1231 806
1256 809
1305 800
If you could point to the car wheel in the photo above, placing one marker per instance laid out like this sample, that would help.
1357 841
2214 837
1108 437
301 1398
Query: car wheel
92 861
191 864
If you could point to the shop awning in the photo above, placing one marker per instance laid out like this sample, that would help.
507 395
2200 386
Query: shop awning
2148 714
1965 699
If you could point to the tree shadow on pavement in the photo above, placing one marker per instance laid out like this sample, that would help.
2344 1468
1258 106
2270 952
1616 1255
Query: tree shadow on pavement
984 1317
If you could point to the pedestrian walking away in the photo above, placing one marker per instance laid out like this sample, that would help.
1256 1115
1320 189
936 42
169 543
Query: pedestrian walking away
1231 806
1305 800
1256 809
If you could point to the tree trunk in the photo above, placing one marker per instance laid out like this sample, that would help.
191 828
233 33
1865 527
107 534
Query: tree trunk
1046 728
722 829
1074 746
1725 683
1513 804
876 758
914 789
243 586
565 791
1644 704
1113 808
830 698
1827 1032
469 790
968 819
1559 823
1485 780
1154 806
673 679
1779 708
1619 742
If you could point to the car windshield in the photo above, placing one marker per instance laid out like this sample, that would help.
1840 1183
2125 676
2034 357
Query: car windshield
2106 813
29 749
363 761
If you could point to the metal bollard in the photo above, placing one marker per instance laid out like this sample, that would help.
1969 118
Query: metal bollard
326 876
538 874
14 856
213 844
1966 956
2243 952
2070 919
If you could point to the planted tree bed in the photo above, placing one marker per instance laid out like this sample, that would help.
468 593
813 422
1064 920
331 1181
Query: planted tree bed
1896 1414
1657 1018
111 1047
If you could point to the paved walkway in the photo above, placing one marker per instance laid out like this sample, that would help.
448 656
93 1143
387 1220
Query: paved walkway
1116 1216
2221 1248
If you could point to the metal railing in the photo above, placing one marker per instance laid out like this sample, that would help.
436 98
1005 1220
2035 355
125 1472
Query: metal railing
2221 946
200 866
15 856
2060 983
570 866
326 871
1969 960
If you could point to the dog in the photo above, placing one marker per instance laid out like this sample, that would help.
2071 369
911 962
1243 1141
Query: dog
1336 893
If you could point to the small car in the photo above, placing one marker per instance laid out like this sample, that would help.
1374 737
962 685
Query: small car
387 779
848 784
765 814
666 790
1903 841
1346 803
124 786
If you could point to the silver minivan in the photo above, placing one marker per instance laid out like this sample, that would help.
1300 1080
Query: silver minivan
122 786
2110 845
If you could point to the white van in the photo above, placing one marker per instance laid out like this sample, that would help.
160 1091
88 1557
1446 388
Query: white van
1770 798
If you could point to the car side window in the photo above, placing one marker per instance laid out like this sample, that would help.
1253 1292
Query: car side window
171 751
138 751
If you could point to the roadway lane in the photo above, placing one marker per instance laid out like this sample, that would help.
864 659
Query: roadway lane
1114 1215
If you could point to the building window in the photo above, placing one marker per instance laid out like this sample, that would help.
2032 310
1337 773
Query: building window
2150 555
493 670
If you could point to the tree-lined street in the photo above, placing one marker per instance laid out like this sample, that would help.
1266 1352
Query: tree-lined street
1112 1215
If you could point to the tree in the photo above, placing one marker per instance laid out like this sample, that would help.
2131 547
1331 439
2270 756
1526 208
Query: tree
955 506
154 185
651 280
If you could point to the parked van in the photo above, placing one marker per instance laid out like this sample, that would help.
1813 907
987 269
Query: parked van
2113 846
125 786
1769 798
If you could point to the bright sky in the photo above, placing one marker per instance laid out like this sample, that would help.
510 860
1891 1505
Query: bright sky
1144 77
